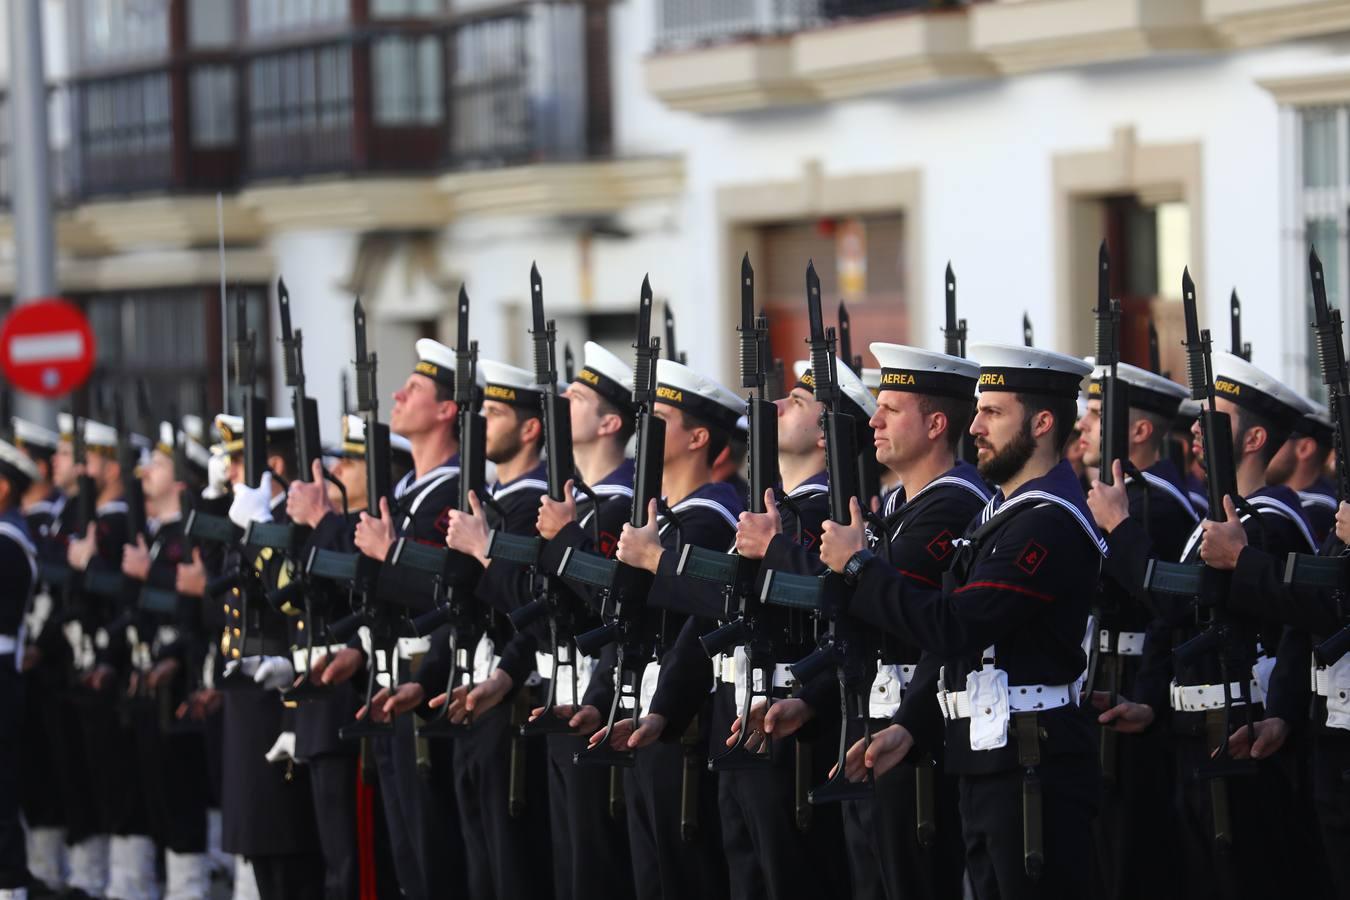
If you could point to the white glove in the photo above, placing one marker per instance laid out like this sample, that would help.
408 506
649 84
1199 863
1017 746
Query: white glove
284 748
217 477
275 673
252 504
248 666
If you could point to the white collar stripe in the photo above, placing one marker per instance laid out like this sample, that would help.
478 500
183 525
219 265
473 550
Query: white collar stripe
1165 485
407 485
708 504
1047 497
1280 508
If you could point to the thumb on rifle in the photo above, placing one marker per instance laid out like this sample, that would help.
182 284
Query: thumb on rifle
1117 473
855 513
317 468
384 509
1230 513
651 512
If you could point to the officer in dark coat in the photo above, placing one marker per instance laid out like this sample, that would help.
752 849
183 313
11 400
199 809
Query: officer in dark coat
1008 622
18 574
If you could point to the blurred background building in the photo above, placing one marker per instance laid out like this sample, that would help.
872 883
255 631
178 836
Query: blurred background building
396 148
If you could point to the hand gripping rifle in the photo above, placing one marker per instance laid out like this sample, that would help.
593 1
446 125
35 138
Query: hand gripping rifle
841 646
628 623
1240 348
954 344
449 570
748 622
1329 572
554 601
1115 417
1219 636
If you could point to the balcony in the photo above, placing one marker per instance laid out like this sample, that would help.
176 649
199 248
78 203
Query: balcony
1247 22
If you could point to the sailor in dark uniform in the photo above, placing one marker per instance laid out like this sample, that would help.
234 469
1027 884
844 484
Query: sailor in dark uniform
1185 460
46 664
676 850
1259 805
18 574
266 811
343 821
776 845
589 844
102 605
168 643
1008 622
419 811
1133 824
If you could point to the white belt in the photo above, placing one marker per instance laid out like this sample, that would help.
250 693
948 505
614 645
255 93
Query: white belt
8 644
1201 697
562 692
1128 643
1321 681
647 689
300 657
888 689
484 659
735 670
1021 698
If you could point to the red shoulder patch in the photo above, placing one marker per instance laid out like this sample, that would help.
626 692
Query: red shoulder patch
940 547
443 521
809 539
608 544
1031 557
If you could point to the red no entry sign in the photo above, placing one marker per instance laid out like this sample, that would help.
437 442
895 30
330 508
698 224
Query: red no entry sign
46 347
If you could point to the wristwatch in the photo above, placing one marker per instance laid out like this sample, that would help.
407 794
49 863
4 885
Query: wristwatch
853 568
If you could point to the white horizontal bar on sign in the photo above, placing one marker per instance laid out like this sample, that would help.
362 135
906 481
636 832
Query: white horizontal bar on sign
58 346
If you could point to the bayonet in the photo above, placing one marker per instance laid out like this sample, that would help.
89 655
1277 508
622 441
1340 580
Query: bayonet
955 332
1114 405
1026 331
1239 348
1154 354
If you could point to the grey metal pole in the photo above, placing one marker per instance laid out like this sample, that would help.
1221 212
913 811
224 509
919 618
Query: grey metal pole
34 236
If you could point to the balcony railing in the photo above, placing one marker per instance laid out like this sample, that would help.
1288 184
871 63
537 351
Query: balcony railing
689 23
499 88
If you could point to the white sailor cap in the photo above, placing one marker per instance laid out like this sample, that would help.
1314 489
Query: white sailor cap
1315 422
862 401
17 468
96 434
231 430
608 376
511 385
742 429
193 449
1187 412
871 379
925 371
436 361
1249 387
1147 391
34 438
195 428
1028 370
681 387
354 439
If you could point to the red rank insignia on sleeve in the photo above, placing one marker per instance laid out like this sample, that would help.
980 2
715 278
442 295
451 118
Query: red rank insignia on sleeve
940 547
608 544
1031 557
443 521
809 539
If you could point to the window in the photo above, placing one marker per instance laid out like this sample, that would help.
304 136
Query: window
213 111
405 9
1323 179
126 132
211 23
408 79
115 31
300 110
276 16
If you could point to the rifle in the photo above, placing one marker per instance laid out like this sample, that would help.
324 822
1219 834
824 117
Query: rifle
557 421
128 461
841 646
1329 572
868 467
1154 355
569 364
623 589
86 490
747 622
1026 331
304 409
460 610
1219 636
954 337
1240 348
671 353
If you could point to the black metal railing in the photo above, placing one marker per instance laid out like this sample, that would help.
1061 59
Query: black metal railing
688 23
301 114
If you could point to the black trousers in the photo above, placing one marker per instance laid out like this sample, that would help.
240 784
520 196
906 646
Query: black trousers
405 800
768 855
1261 813
13 854
332 784
297 876
991 822
1331 790
1135 834
42 751
507 856
590 848
172 770
883 842
665 863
